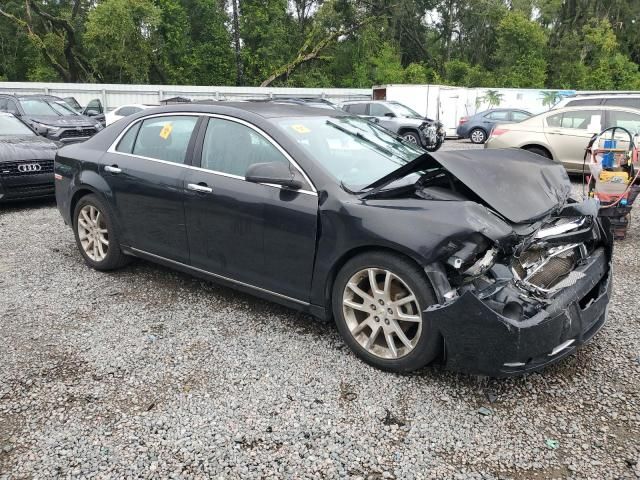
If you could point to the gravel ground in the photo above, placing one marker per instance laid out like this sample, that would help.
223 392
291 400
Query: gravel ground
150 373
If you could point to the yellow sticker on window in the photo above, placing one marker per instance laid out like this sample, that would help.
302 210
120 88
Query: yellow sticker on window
300 128
166 131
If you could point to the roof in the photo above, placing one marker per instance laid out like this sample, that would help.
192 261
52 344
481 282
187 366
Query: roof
263 109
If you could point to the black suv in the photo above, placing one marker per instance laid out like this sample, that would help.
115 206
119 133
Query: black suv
50 117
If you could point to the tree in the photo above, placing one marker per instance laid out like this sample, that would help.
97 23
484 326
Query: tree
492 98
520 52
550 98
129 29
54 34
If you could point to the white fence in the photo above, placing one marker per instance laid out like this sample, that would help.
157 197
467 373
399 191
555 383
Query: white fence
113 95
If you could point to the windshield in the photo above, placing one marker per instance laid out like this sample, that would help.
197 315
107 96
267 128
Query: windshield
13 126
403 111
353 150
39 106
73 103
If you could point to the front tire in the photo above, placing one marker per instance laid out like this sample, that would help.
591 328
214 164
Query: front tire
478 135
412 137
378 301
96 236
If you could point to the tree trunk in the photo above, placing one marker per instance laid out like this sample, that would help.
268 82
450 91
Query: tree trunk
236 42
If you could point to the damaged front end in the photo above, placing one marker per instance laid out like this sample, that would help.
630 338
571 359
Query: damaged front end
523 303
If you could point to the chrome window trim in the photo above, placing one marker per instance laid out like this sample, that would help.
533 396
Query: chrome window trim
221 277
112 148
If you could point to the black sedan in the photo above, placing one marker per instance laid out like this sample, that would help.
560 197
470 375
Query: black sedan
26 161
478 258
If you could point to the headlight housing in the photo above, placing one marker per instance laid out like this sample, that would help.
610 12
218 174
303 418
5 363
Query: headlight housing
43 129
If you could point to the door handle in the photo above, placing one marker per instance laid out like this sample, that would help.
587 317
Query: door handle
199 187
112 169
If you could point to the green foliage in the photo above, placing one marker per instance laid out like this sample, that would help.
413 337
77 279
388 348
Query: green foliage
120 37
557 44
520 52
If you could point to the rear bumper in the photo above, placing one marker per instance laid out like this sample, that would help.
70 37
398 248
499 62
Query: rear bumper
480 341
462 132
28 186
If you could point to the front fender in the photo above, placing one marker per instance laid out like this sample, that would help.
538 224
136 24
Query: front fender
422 230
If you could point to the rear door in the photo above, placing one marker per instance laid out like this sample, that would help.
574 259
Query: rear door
490 119
258 234
569 132
145 172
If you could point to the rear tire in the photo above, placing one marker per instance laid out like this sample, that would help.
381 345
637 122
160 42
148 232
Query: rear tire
378 300
478 135
538 151
96 235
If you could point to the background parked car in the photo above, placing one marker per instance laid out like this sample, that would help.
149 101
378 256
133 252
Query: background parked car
477 127
609 100
93 109
26 161
125 111
50 117
563 134
394 116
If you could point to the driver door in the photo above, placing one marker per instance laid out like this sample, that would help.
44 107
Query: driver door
383 116
257 234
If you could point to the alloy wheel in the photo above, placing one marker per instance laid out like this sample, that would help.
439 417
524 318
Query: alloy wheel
411 139
382 313
477 136
93 233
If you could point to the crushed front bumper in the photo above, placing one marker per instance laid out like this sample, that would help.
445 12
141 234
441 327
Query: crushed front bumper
480 341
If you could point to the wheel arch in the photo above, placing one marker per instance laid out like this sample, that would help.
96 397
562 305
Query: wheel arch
529 146
84 189
348 255
402 130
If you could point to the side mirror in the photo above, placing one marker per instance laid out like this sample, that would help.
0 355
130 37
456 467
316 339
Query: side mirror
390 115
277 173
92 113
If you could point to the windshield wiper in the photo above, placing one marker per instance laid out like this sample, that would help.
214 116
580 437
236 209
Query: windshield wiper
362 137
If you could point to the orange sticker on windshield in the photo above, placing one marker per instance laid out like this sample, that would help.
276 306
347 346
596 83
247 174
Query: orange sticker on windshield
166 131
300 128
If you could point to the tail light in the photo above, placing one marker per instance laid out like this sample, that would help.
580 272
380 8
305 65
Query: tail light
463 120
498 131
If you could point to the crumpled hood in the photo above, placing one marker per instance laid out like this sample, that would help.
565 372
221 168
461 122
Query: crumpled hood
519 185
67 121
17 148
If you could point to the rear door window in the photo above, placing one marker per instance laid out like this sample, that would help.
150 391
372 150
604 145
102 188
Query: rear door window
165 138
500 116
519 116
357 108
126 143
578 120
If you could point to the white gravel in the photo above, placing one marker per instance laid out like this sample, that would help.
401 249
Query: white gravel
150 373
